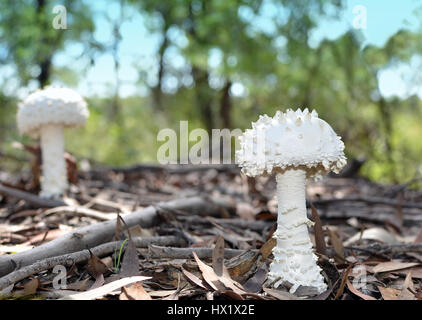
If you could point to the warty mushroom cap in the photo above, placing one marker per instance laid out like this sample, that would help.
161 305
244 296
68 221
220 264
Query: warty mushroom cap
294 139
52 105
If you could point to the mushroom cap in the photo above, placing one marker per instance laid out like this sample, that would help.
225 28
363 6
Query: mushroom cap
290 140
52 105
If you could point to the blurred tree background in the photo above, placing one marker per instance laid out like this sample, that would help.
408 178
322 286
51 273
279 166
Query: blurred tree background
144 65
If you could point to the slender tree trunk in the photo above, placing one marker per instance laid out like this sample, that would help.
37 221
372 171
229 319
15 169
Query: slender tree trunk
204 97
226 106
157 92
385 113
115 108
45 72
44 64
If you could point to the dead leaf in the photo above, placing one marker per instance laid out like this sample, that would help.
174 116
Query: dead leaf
108 262
378 234
31 287
99 281
306 291
281 295
268 247
241 264
406 292
95 266
357 292
393 266
343 282
218 256
416 272
319 233
161 293
209 275
254 284
175 295
119 228
389 293
232 295
130 262
105 289
78 285
136 292
337 244
194 278
230 283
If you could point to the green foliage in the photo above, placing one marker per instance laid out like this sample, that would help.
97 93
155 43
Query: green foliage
128 140
274 62
28 37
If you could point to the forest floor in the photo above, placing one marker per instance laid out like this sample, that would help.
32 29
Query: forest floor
202 233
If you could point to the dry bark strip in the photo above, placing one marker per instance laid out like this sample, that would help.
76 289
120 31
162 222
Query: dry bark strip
82 256
96 234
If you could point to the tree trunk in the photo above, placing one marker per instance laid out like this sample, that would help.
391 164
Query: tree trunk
226 106
45 63
203 97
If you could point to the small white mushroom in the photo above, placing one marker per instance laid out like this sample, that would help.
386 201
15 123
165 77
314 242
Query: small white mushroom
293 153
45 113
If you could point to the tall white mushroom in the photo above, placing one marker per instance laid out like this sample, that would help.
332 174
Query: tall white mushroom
294 146
45 113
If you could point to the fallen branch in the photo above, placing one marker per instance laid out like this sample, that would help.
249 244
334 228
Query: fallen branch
394 249
370 200
155 251
80 211
96 234
82 256
254 225
369 215
30 197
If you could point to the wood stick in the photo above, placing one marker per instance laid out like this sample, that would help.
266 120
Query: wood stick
80 211
394 249
82 256
155 251
95 234
370 200
368 215
254 225
30 198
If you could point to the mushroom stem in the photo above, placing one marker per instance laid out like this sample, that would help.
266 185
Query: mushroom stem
54 179
294 260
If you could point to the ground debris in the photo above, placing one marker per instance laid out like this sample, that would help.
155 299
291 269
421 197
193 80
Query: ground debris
369 242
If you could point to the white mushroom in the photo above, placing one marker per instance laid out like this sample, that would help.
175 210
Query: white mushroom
293 146
45 113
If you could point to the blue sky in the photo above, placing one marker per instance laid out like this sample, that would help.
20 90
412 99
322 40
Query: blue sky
138 47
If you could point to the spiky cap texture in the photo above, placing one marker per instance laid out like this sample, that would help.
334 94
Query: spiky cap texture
51 105
294 139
